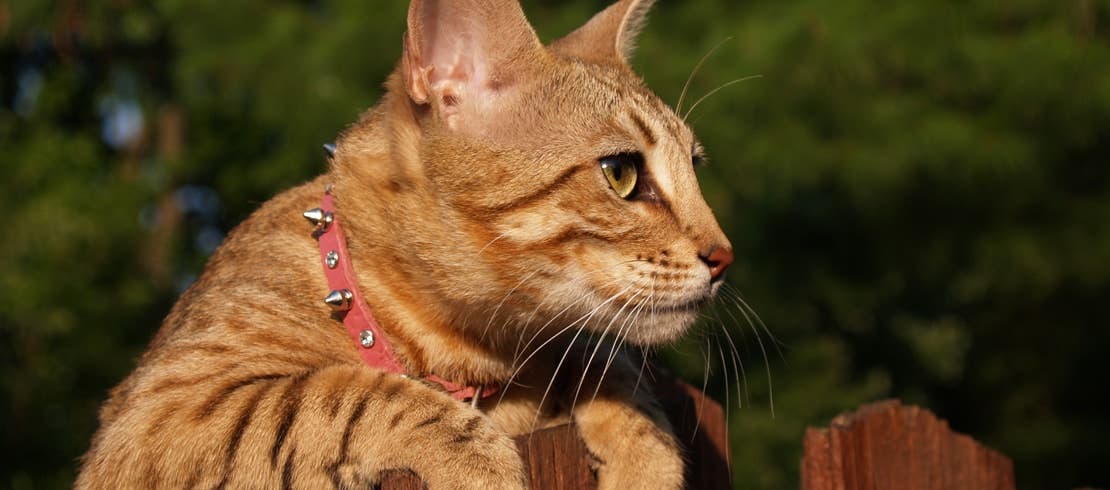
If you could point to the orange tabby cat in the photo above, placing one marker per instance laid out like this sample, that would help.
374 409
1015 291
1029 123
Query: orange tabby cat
502 196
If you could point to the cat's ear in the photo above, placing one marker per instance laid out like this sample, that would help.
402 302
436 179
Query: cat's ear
609 37
460 54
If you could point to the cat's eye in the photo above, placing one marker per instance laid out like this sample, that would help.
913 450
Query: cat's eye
622 172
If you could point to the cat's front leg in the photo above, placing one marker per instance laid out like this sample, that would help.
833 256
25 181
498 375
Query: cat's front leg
446 442
331 427
628 434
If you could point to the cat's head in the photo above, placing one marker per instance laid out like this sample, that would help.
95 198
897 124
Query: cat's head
574 182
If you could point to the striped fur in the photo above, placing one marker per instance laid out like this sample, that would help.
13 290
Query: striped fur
486 240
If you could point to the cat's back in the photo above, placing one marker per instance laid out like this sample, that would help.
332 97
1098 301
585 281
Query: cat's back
261 271
251 308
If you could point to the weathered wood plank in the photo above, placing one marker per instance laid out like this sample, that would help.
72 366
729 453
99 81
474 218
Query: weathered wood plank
700 425
401 480
887 445
556 459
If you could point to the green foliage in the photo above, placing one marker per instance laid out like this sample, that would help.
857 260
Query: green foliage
918 193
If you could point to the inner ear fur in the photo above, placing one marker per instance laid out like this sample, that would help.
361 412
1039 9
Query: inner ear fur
610 36
459 54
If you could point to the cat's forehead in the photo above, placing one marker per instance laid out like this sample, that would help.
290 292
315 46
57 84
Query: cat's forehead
605 92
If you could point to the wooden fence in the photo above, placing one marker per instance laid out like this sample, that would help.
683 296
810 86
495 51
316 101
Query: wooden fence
881 446
887 445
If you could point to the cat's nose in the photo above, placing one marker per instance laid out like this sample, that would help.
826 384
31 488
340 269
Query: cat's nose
718 259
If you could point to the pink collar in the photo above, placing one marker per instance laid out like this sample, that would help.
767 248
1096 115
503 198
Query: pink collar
346 300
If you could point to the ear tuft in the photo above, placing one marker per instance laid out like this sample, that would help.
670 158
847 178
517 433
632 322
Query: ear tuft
610 36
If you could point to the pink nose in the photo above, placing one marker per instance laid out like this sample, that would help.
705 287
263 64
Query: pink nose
718 259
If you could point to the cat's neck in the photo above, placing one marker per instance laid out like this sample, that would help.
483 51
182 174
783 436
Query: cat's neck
403 247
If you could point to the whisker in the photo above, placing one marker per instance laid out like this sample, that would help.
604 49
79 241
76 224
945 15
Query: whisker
724 369
640 374
737 363
552 320
718 89
766 360
568 327
563 359
491 242
694 73
739 297
733 355
704 384
633 316
555 374
644 351
502 303
586 369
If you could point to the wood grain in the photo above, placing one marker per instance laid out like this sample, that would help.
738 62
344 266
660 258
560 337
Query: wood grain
886 445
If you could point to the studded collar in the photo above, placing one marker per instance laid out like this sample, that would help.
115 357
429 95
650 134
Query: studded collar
347 302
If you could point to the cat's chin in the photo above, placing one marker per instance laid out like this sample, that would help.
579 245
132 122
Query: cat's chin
664 326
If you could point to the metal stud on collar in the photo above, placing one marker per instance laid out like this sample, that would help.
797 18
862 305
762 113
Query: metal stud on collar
339 300
330 148
319 218
366 338
332 259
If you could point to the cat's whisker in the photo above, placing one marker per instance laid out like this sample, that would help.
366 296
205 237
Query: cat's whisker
491 242
555 374
728 408
570 345
694 73
640 374
763 349
737 363
643 362
502 303
521 346
643 350
704 384
586 369
520 349
564 330
619 341
538 332
735 293
714 91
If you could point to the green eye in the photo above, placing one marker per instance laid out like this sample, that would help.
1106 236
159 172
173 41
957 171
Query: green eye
622 172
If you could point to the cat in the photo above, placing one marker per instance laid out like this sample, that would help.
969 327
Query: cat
502 198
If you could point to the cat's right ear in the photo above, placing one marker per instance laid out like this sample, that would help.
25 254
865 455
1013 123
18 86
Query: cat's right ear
461 55
609 37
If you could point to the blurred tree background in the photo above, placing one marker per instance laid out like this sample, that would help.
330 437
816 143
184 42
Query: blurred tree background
919 194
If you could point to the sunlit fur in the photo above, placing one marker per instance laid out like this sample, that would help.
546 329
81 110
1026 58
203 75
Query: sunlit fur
486 240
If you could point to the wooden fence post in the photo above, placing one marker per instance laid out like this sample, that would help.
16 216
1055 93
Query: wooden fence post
888 446
556 459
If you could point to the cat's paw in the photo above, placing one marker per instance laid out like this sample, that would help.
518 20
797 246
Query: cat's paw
633 444
650 459
468 452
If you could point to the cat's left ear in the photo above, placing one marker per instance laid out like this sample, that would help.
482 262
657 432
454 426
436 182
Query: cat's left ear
461 56
609 37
